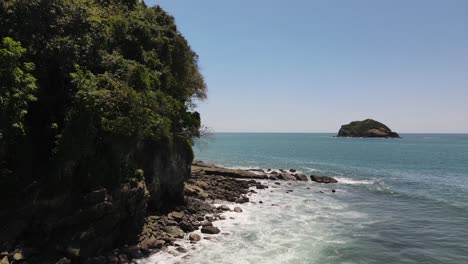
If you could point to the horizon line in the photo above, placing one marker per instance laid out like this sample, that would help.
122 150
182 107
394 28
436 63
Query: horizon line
279 132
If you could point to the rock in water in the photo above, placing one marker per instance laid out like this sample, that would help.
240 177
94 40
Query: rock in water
323 179
194 237
367 128
210 230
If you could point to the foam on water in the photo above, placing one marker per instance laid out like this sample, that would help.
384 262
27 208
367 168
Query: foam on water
350 181
286 228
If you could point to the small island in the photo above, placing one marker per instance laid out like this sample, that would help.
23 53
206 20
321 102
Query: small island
368 128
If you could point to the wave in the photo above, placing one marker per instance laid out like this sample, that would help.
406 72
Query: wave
349 181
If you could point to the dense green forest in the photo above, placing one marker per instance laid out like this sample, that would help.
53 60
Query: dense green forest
83 80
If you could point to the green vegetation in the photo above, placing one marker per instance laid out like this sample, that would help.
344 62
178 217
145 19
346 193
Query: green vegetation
365 125
366 128
81 81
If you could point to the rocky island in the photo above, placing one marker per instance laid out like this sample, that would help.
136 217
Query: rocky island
368 128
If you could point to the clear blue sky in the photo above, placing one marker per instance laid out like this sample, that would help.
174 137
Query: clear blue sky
311 66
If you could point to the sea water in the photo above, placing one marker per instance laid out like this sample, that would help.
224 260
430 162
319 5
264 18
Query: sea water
397 201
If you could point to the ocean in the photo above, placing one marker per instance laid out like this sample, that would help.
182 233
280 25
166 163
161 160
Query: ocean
397 201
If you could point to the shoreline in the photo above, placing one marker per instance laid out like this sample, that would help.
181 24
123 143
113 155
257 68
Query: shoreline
213 194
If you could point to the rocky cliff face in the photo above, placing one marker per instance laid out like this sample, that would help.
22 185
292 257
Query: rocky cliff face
80 225
367 128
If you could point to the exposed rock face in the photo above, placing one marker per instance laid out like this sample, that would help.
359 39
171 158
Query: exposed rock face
81 224
367 128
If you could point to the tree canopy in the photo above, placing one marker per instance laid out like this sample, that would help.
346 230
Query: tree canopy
75 75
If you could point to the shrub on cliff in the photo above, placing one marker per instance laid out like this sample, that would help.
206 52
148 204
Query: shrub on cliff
108 73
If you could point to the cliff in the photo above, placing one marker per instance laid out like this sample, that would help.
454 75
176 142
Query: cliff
366 128
96 123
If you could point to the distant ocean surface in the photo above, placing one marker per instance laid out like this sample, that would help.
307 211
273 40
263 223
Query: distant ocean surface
397 200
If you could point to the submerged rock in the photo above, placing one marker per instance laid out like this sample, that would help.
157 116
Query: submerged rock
368 128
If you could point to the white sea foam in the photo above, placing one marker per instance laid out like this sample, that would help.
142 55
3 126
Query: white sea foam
286 228
344 180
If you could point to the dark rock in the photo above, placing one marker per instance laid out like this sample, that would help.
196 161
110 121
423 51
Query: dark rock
181 250
260 186
300 177
277 183
153 243
224 207
237 209
210 230
367 128
286 176
186 226
333 191
62 261
95 197
323 179
123 259
205 223
242 200
194 237
133 251
273 178
292 170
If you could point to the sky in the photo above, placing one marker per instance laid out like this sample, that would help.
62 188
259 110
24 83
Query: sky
311 66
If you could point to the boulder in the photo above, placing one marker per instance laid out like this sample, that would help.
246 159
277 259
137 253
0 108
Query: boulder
286 177
323 179
224 208
194 237
237 209
210 230
177 216
186 226
300 177
174 231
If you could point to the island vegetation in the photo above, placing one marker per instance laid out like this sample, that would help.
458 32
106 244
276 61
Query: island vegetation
368 128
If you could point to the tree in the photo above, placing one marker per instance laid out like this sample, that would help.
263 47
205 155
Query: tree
108 72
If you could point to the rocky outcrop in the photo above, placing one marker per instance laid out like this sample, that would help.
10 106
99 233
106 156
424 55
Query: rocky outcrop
323 179
368 129
79 224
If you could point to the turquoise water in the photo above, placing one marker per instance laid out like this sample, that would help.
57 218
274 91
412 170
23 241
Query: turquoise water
398 200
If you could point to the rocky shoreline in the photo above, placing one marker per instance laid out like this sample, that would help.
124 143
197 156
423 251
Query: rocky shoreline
208 185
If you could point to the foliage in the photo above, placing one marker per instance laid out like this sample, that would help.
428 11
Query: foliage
17 89
107 72
365 125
